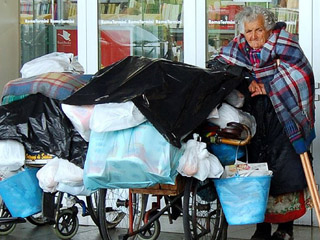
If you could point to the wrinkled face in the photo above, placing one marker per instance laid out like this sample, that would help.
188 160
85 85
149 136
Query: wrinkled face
255 33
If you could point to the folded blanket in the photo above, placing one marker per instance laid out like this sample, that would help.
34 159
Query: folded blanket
11 98
56 85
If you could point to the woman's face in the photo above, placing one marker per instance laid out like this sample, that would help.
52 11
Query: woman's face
255 32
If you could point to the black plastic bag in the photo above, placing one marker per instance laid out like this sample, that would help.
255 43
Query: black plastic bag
175 97
39 123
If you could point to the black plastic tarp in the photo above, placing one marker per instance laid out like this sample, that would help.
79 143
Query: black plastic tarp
175 97
39 123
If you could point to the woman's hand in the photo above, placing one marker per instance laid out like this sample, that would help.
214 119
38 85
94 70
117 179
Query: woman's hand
256 89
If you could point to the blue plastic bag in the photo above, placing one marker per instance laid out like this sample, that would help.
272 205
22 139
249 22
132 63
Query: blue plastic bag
131 158
227 154
22 194
243 199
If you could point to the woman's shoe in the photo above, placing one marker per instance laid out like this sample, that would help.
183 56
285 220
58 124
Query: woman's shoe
259 236
282 235
263 232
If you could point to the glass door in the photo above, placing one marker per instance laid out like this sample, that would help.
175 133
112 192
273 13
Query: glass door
47 26
150 28
221 16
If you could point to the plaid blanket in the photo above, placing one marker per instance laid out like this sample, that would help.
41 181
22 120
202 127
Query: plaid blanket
289 83
56 85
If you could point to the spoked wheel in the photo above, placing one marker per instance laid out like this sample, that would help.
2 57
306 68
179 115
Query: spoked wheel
67 224
114 206
203 217
5 228
37 219
104 231
92 205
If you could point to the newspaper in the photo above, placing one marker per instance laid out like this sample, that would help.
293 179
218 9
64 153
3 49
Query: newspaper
243 169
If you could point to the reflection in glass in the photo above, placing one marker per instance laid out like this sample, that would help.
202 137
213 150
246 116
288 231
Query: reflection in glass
150 28
47 26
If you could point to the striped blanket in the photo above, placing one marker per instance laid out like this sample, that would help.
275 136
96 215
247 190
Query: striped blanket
288 80
56 85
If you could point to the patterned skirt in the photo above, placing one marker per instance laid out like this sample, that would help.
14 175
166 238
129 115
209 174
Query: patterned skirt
288 207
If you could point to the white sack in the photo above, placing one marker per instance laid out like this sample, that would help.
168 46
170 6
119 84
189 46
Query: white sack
235 98
115 116
214 113
58 171
5 172
46 175
228 113
76 190
198 162
68 173
52 62
80 118
12 154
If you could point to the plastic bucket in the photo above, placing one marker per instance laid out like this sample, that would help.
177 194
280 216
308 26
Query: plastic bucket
243 199
21 193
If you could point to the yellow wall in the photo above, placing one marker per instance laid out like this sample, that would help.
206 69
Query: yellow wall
9 41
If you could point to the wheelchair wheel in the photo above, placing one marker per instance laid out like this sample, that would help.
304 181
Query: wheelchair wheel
92 206
67 223
203 217
113 208
36 219
152 232
103 223
139 205
5 228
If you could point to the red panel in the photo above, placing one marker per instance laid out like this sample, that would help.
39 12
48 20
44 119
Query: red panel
67 41
115 45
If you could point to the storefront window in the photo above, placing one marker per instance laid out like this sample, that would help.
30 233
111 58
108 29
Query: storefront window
150 28
47 26
221 16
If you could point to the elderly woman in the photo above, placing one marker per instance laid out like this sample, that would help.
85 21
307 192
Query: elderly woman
281 86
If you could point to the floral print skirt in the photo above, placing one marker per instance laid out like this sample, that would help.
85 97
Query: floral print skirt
288 207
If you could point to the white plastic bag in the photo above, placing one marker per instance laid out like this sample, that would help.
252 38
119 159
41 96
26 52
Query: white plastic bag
228 113
189 162
80 118
12 154
68 173
214 113
115 116
58 171
209 167
46 175
235 98
5 172
76 190
52 62
198 162
216 168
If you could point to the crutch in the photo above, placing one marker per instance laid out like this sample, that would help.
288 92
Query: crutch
311 183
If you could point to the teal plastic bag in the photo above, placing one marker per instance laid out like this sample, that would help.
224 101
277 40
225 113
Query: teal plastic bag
243 199
131 158
22 194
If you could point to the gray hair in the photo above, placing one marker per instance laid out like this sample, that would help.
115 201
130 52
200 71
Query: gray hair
251 13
